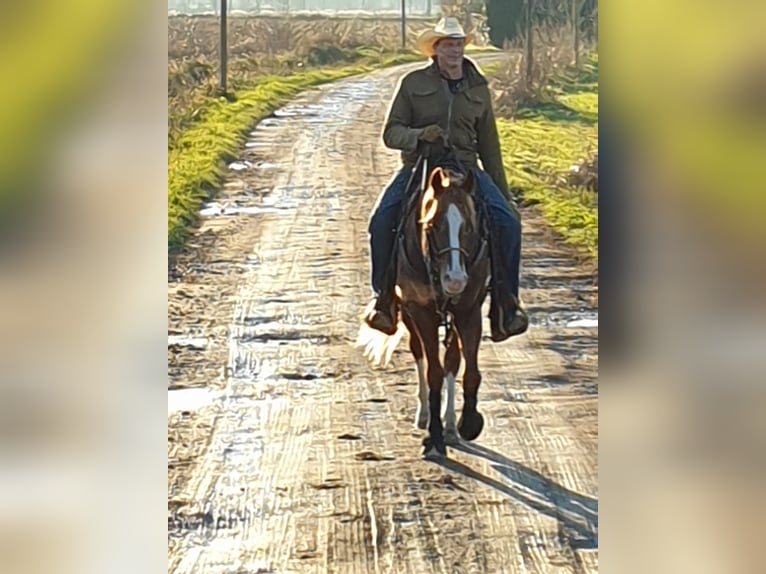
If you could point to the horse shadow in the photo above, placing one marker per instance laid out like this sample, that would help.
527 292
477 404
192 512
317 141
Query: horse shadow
576 513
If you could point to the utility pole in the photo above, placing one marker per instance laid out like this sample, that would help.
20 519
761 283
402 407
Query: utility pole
576 26
224 48
529 49
404 25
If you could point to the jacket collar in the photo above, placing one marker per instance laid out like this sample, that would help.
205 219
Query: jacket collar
471 75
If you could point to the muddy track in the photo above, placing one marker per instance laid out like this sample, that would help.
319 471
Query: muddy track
289 453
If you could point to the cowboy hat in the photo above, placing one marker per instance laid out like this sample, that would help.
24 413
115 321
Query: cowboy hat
446 28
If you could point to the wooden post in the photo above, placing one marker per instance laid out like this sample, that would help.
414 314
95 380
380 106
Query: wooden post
529 48
224 50
404 25
576 30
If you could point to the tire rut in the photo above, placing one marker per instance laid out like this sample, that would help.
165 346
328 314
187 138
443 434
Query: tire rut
297 456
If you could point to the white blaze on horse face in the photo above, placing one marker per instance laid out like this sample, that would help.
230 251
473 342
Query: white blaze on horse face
455 278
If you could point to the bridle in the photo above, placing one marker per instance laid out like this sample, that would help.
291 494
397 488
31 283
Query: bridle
431 254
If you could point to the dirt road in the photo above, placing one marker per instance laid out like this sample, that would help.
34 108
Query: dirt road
289 453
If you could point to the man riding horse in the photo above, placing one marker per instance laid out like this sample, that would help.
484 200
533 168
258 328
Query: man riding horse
449 101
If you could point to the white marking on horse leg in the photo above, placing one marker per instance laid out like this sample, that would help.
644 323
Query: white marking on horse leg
422 416
450 421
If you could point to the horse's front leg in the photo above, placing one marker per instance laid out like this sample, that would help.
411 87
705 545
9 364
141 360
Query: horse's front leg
416 348
451 368
471 422
427 326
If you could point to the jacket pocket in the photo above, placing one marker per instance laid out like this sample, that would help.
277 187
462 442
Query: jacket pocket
428 107
472 107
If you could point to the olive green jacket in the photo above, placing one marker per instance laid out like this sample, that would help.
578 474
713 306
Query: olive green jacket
423 98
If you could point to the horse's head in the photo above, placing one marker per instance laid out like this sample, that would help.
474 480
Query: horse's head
450 234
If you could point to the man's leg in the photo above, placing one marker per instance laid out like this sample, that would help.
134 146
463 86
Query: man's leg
382 229
507 317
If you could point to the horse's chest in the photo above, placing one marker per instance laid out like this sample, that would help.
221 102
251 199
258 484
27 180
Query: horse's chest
416 293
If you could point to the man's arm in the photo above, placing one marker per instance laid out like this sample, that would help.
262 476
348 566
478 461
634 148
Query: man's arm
397 133
489 148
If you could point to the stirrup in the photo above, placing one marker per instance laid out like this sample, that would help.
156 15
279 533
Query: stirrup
508 321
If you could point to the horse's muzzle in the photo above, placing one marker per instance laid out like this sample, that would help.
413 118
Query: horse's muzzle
454 282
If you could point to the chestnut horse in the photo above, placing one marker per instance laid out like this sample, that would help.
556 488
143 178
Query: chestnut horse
442 270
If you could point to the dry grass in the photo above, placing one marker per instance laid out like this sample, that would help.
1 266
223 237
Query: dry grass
553 59
262 47
197 37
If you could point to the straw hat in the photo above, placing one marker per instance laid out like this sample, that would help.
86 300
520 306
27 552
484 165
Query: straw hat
446 28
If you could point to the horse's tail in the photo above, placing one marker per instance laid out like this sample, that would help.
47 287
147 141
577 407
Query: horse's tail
378 347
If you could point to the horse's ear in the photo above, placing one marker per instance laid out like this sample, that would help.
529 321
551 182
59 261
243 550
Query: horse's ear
435 180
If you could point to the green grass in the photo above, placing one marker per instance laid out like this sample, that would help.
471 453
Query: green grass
542 144
197 160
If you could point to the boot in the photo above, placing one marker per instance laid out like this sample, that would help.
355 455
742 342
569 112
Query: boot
507 319
383 316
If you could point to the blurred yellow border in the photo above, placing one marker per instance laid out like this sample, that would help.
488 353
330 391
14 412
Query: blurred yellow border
51 56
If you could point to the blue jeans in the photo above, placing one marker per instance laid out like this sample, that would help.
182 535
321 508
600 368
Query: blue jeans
505 229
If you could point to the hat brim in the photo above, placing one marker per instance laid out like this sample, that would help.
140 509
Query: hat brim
426 43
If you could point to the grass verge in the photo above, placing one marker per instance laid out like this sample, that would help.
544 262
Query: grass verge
543 142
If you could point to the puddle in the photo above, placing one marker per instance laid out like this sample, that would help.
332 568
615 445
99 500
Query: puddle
299 376
268 122
281 202
283 338
550 381
265 165
190 399
588 323
217 210
294 111
270 320
573 346
190 342
571 319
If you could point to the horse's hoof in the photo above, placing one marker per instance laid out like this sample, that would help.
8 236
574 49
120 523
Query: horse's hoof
422 423
451 438
433 454
471 425
432 451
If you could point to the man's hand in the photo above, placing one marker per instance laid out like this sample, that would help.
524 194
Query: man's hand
431 133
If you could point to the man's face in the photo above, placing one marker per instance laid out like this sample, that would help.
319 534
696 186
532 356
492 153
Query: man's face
449 52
